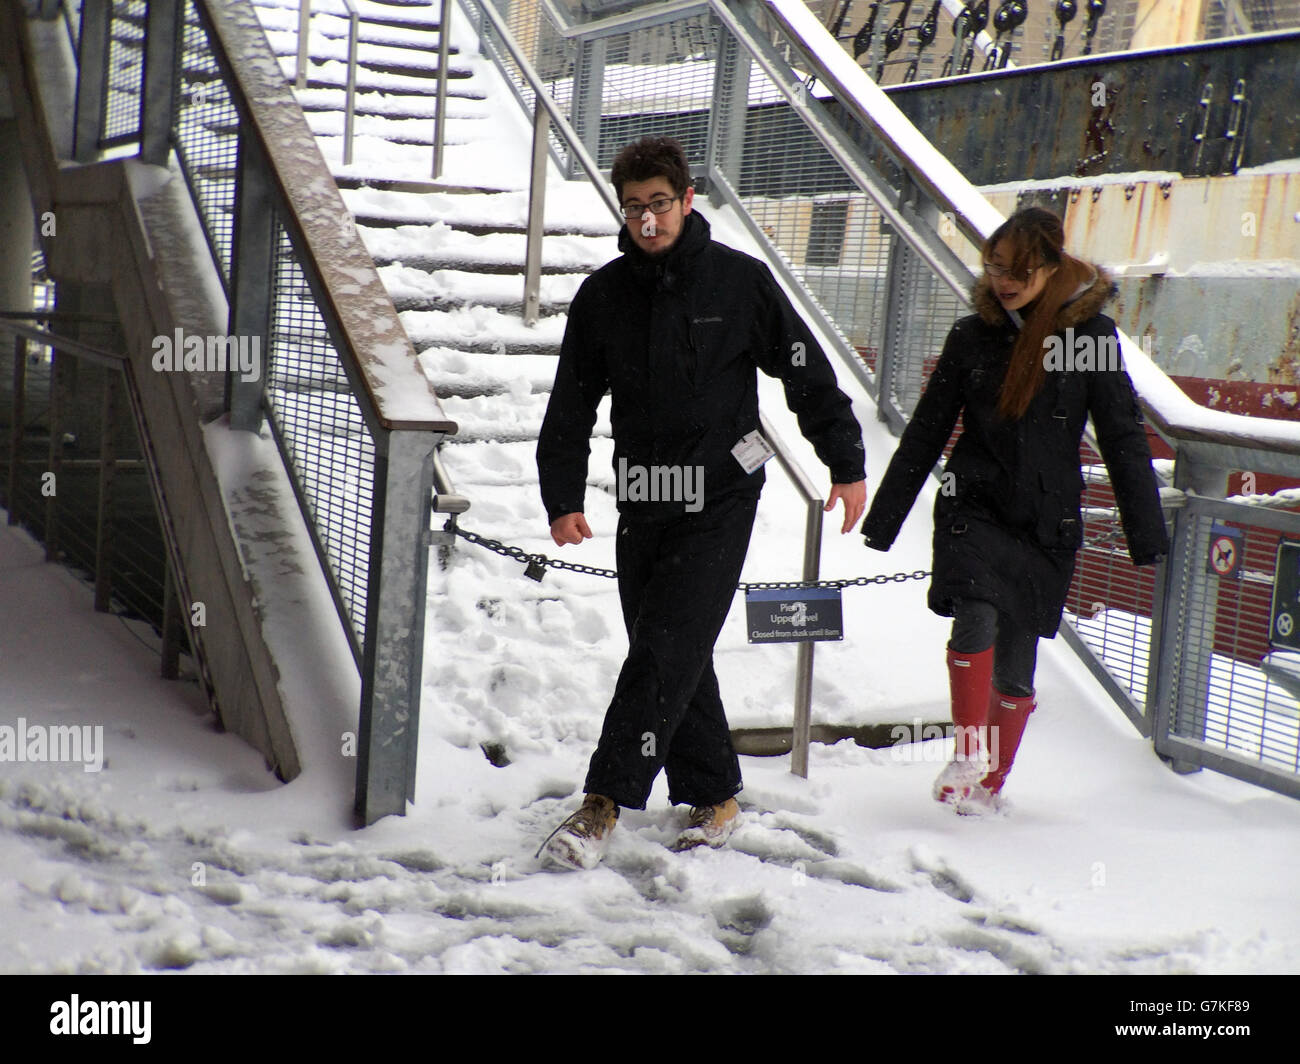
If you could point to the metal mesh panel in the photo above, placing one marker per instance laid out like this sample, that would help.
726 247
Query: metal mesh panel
322 432
207 139
658 79
1110 600
923 318
527 25
1230 692
68 521
125 71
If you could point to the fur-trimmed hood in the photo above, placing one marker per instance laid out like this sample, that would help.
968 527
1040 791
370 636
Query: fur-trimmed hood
1086 302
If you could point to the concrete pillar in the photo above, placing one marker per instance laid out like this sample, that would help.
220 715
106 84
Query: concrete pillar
16 226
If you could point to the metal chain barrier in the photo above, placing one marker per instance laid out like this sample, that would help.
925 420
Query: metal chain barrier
537 564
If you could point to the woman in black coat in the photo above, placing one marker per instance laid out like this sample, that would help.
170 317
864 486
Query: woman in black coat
1025 372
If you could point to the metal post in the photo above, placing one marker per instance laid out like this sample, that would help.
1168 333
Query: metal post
1186 664
812 548
726 142
804 661
394 652
252 266
536 212
104 512
92 79
439 125
958 42
57 368
887 368
16 426
589 90
350 104
304 31
171 627
157 105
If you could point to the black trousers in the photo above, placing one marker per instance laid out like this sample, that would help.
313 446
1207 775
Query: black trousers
977 625
676 580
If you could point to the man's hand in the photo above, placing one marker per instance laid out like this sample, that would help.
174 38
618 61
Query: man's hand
571 528
855 501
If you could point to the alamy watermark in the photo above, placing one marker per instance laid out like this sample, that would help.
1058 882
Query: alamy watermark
1086 353
79 1017
911 743
73 743
662 483
218 353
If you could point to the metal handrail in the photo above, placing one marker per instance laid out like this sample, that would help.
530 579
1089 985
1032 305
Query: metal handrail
350 100
350 93
304 21
439 126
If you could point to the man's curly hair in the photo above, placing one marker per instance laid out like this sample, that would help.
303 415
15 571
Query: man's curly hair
651 157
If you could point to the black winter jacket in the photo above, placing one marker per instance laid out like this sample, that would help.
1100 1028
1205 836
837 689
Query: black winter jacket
675 339
1008 522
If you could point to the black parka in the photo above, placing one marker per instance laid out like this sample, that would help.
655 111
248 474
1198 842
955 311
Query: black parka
1007 523
675 339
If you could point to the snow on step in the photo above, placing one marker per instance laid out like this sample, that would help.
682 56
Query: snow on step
389 56
458 130
464 100
327 26
415 289
488 417
478 328
335 73
442 244
501 418
469 374
503 209
489 164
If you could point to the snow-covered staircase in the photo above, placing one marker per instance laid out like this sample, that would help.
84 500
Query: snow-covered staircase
451 251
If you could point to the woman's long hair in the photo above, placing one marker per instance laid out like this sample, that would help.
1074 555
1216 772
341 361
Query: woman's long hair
1035 236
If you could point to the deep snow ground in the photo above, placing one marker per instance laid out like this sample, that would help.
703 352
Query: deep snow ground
183 853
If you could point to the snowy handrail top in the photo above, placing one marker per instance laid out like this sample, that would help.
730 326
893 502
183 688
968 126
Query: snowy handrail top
1171 410
396 392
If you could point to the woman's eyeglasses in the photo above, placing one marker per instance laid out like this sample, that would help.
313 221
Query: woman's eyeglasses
994 270
655 206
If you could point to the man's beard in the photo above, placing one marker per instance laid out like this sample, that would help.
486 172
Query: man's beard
656 253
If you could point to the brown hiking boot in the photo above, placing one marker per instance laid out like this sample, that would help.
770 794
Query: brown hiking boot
581 840
710 825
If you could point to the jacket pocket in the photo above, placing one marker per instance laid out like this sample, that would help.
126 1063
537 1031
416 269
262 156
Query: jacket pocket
1059 525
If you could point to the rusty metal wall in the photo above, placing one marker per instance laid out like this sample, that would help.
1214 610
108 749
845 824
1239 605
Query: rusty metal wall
1213 266
1051 121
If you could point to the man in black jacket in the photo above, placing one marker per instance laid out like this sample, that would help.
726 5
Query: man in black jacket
674 329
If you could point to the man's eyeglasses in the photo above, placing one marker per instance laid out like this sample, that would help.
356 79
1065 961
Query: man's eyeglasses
656 206
994 270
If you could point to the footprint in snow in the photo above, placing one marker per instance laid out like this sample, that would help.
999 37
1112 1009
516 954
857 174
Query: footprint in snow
941 876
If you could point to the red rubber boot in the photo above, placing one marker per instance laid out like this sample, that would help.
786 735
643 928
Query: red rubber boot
1007 717
970 677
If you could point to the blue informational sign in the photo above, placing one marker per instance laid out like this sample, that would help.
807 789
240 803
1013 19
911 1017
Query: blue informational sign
792 615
